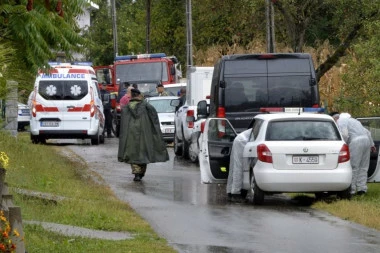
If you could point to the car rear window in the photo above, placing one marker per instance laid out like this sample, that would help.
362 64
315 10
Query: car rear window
290 130
162 105
63 90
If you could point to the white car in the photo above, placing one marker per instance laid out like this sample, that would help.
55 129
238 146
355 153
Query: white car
23 116
287 152
165 107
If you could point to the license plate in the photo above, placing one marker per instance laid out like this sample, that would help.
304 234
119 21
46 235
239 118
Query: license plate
314 159
49 123
169 130
25 111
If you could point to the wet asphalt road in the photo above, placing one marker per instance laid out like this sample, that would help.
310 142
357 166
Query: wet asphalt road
194 217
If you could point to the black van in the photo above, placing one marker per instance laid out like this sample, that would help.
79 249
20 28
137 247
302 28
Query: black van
244 84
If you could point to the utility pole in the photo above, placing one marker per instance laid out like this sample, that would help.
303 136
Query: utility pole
147 46
114 28
189 38
269 14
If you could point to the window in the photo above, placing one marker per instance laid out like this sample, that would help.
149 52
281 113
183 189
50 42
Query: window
302 130
219 130
162 106
63 90
142 71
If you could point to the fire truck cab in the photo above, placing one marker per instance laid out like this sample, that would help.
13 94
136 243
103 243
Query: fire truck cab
130 68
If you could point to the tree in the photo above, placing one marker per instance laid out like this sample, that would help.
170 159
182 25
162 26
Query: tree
360 94
345 23
35 31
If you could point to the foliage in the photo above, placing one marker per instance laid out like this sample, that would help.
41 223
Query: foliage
33 37
4 160
6 244
360 94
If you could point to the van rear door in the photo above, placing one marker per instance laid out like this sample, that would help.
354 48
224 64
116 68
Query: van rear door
67 105
76 105
268 80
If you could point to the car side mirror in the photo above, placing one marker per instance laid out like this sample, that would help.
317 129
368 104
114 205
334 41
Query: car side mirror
202 109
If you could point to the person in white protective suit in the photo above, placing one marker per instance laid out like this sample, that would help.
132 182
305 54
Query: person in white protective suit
360 143
237 163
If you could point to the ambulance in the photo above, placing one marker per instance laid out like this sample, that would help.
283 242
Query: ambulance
66 104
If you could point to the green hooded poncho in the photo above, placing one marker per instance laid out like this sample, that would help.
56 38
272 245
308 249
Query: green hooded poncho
140 140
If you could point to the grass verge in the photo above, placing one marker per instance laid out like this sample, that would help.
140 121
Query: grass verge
86 203
92 205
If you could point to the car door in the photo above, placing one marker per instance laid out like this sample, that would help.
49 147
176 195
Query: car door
215 149
373 125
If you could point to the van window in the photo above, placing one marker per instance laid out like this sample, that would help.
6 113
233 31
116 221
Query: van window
246 94
142 71
63 90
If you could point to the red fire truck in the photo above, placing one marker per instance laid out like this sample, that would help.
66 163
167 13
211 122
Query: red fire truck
130 68
135 68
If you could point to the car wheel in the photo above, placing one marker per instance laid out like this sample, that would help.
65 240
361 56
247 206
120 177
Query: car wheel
346 194
256 193
42 140
185 147
193 155
96 139
101 139
177 146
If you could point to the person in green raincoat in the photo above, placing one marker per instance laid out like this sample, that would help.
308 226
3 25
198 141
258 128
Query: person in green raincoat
140 140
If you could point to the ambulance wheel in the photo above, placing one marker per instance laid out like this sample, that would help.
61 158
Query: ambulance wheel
177 146
34 139
42 140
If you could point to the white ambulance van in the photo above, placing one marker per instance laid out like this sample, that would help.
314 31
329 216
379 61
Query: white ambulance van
66 104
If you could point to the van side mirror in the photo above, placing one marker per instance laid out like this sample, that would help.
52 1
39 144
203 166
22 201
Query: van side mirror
172 70
202 109
312 82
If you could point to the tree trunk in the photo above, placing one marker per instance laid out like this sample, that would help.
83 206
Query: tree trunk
339 52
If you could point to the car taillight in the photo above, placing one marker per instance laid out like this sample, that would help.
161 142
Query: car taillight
221 113
190 118
264 154
203 126
344 154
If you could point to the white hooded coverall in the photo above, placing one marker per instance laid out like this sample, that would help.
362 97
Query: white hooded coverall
237 162
359 141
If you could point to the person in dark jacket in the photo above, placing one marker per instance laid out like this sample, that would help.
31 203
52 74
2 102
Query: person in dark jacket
140 140
105 95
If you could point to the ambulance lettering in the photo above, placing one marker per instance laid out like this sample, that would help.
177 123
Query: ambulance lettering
60 76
